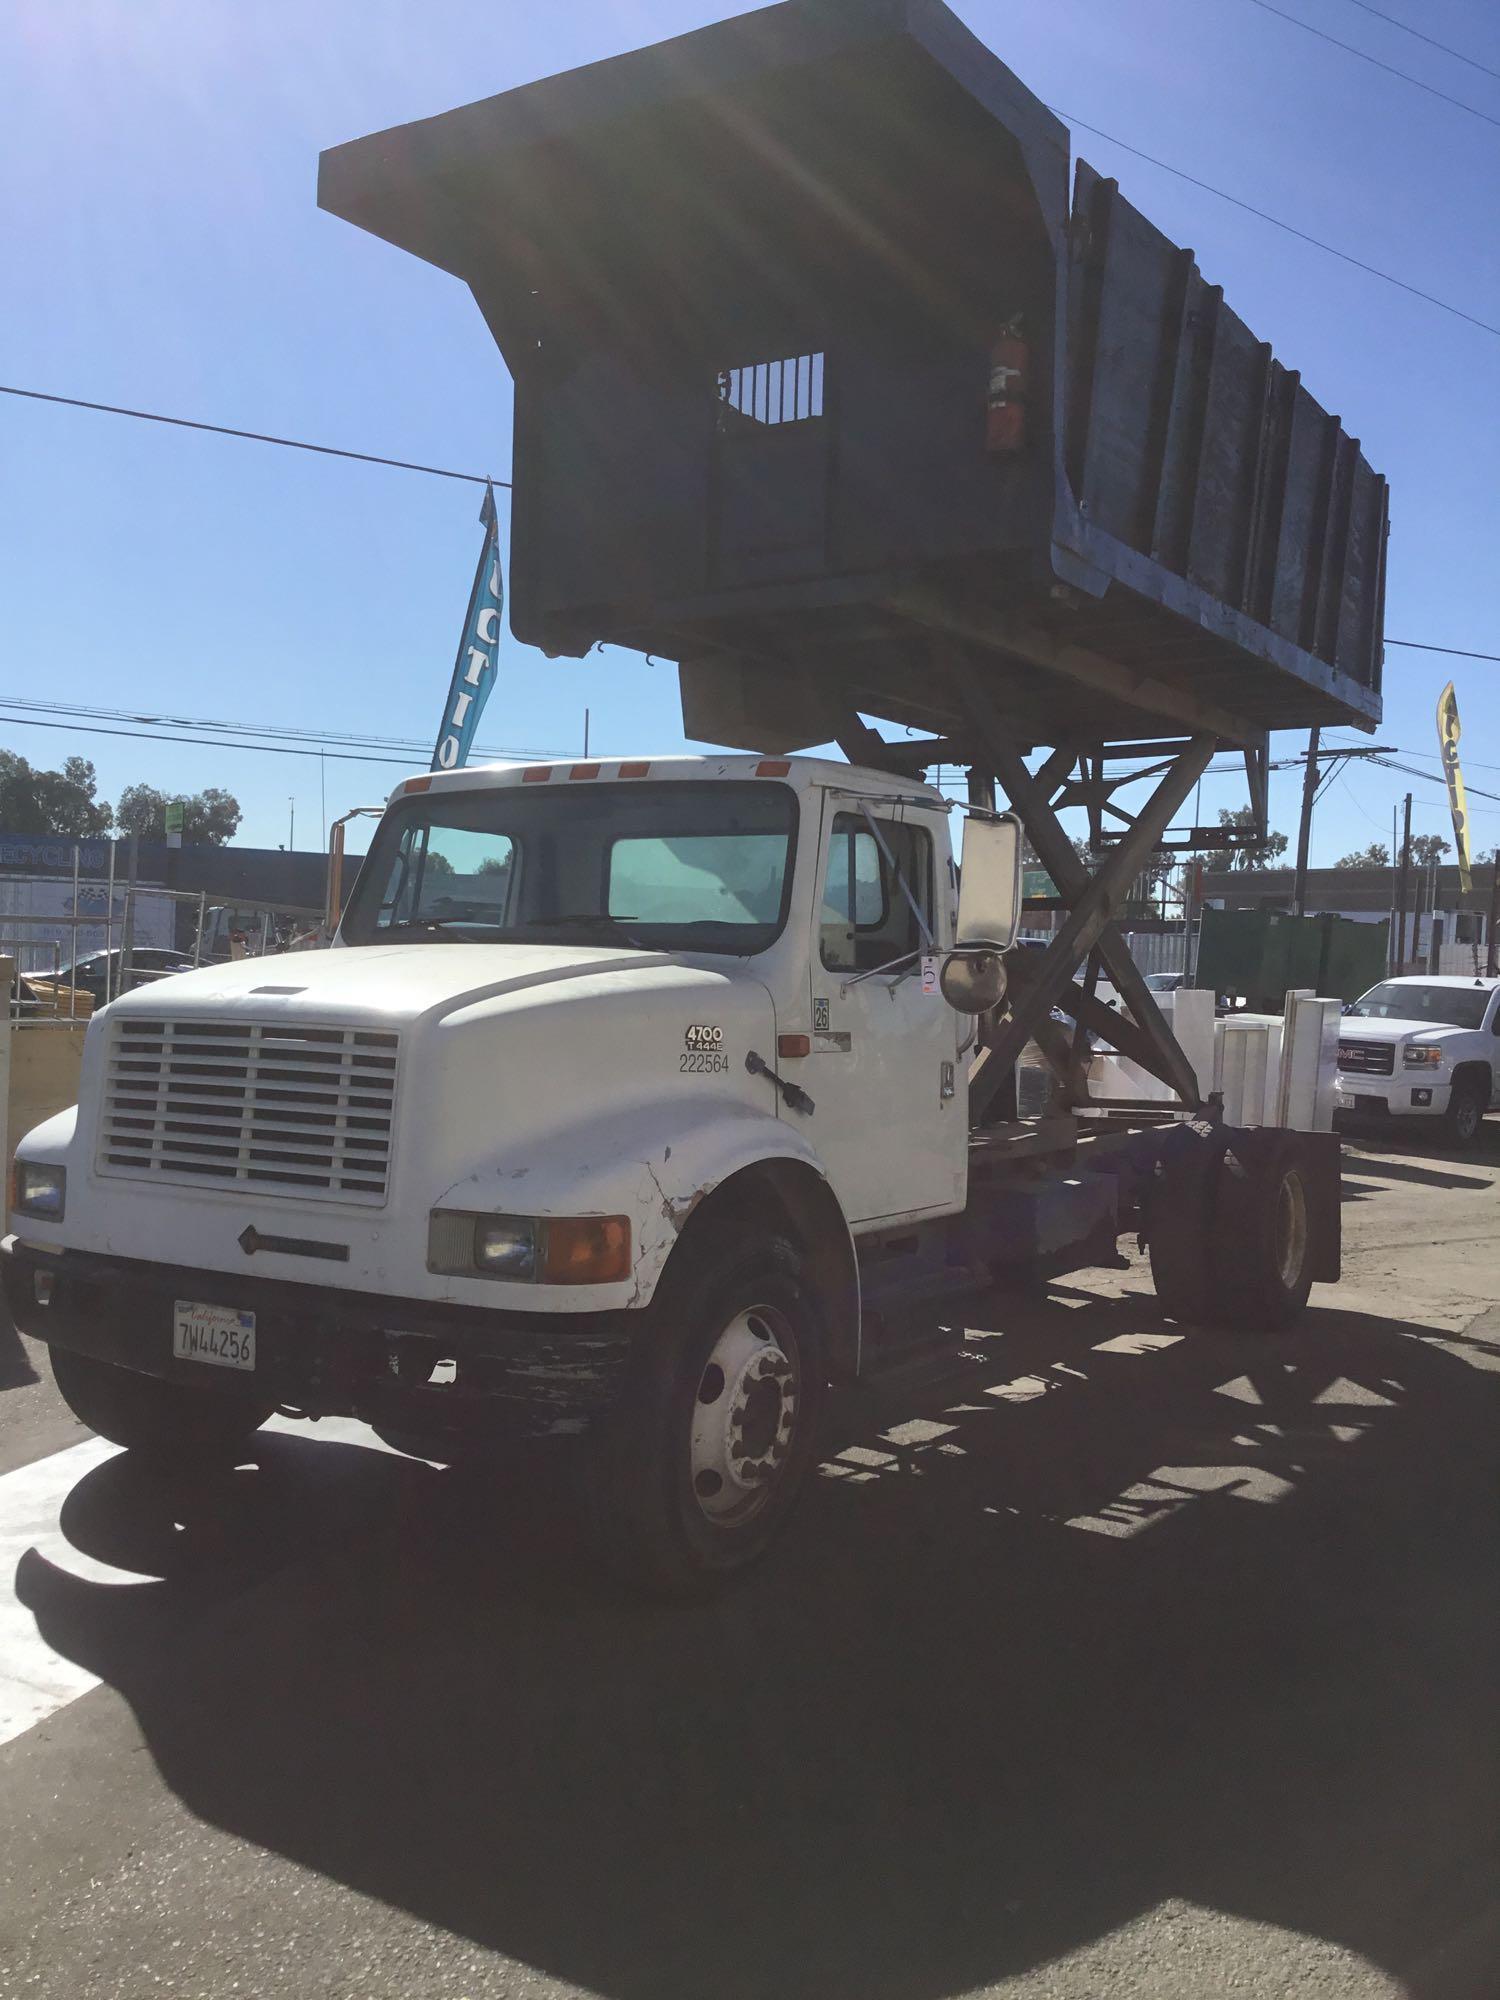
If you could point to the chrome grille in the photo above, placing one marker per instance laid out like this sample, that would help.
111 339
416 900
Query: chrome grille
1367 1058
290 1108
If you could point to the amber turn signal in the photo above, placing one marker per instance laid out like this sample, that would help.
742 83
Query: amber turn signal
586 1250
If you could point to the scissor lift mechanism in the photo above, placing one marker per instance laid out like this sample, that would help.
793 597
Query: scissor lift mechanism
1077 772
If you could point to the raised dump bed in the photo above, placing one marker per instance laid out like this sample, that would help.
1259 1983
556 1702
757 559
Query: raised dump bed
821 385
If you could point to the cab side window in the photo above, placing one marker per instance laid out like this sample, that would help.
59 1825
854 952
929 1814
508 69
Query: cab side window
865 920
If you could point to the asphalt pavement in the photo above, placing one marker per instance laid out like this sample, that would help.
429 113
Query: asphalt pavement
1118 1662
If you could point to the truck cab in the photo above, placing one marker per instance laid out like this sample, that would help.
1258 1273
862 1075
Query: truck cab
614 1076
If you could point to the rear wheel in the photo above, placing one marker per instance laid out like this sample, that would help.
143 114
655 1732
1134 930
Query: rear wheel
1180 1223
1263 1245
167 1419
1467 1103
697 1467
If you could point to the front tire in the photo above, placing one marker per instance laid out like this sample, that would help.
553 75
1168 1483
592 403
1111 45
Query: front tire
695 1470
166 1419
1464 1118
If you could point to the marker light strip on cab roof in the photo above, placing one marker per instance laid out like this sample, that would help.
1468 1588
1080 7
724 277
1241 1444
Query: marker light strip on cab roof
584 771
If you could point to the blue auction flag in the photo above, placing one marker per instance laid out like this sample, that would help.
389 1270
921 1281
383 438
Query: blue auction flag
478 659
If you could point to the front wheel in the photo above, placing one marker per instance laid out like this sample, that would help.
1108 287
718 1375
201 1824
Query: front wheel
696 1468
167 1419
1467 1103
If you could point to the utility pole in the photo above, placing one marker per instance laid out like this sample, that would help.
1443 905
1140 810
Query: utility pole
1304 827
1402 884
1492 959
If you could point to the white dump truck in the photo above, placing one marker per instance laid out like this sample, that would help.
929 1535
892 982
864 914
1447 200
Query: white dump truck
653 1098
632 1098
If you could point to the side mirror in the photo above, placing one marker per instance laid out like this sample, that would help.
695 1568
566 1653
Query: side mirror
989 891
972 981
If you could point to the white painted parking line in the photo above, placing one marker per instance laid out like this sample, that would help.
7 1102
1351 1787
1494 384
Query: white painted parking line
34 1680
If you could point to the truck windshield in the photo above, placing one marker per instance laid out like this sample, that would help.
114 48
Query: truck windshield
679 865
1448 1006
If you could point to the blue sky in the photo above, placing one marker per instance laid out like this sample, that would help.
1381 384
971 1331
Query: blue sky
164 250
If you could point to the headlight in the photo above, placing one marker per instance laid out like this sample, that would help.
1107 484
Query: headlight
1421 1055
527 1249
41 1191
505 1246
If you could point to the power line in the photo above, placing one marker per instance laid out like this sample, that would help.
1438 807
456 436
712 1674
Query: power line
1389 68
213 742
1431 756
1455 652
318 738
1348 791
255 437
1414 771
1457 54
1374 271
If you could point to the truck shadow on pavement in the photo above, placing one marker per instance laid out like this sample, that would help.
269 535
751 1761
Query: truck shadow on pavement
1111 1618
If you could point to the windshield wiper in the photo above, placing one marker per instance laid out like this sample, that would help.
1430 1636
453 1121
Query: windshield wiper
428 924
576 920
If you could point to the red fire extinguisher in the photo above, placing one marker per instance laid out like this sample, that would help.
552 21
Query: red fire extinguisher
1010 382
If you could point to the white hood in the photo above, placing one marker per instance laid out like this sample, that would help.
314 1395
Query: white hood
1361 1028
378 984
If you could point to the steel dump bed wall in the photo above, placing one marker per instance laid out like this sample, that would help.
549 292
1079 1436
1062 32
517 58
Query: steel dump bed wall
1191 446
750 284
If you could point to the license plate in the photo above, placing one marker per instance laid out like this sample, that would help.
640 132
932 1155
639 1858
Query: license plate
218 1334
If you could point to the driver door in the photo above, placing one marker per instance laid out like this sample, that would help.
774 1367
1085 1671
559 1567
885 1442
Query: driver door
891 1125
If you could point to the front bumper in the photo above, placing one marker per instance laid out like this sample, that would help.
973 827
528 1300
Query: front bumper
327 1352
1409 1096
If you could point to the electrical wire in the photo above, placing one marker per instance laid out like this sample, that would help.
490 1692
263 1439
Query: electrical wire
1413 771
1344 256
1390 68
255 437
318 738
1454 652
1348 791
1406 29
214 742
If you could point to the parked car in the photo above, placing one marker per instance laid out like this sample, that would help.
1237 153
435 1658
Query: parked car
99 973
1422 1047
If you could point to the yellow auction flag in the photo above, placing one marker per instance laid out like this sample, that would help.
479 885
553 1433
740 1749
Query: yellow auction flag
1449 732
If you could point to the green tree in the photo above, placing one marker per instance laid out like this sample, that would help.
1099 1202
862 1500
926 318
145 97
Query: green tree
209 818
61 803
1429 847
1373 856
1258 855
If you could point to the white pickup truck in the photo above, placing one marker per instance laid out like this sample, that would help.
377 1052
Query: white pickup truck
1422 1047
630 1099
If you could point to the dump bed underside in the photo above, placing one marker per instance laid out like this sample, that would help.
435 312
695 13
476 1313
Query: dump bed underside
1185 540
